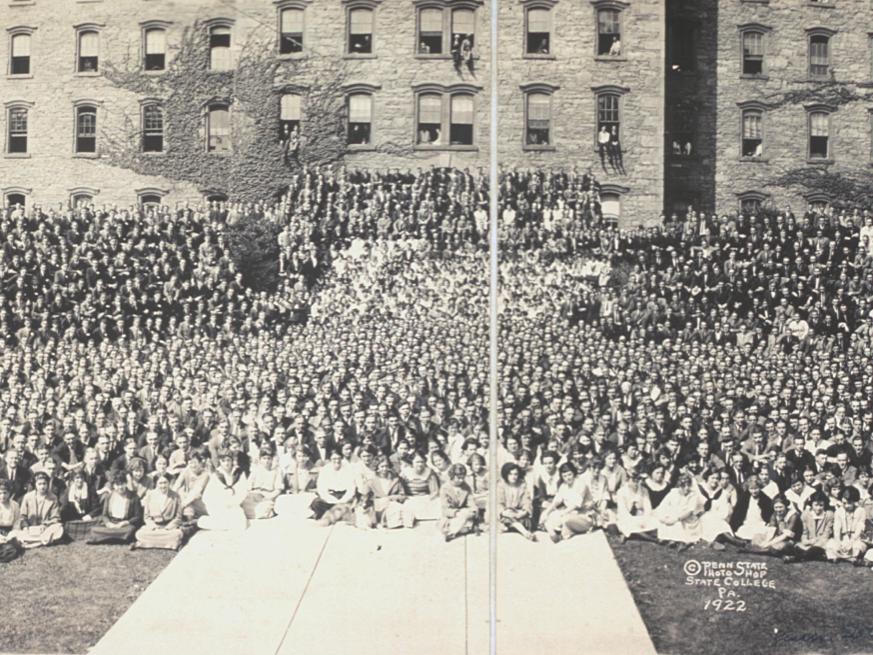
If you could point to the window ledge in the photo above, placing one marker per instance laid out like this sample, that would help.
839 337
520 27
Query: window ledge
88 74
162 153
820 5
533 55
360 147
609 58
288 56
84 1
439 148
23 3
756 2
823 162
86 155
29 76
17 155
817 80
534 148
754 160
351 55
750 76
154 73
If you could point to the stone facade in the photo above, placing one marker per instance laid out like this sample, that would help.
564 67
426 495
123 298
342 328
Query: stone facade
788 97
573 73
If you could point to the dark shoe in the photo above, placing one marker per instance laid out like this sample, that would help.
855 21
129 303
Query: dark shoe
533 537
133 546
555 537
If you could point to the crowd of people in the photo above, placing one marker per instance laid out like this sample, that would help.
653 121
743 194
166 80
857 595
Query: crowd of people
702 380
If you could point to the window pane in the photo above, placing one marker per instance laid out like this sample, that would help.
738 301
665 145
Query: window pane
752 125
21 45
818 124
155 42
87 122
290 107
539 20
463 21
88 44
153 119
292 21
360 21
430 109
607 108
538 108
753 44
610 205
360 108
431 20
219 129
462 109
18 121
607 21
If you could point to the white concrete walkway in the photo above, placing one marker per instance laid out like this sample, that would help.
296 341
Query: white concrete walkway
283 589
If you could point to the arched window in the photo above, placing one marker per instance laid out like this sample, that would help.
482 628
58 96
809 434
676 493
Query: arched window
19 61
819 55
753 138
291 30
753 52
360 112
538 124
608 32
152 128
610 205
89 51
289 114
86 129
220 57
16 200
461 120
150 201
608 114
17 122
360 41
430 31
819 135
430 119
463 26
155 49
539 31
218 129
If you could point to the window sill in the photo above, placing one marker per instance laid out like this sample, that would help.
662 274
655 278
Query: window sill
352 56
154 73
750 76
756 2
162 153
23 3
819 5
533 148
17 155
817 80
532 55
289 56
609 58
86 155
88 74
447 56
360 147
29 76
822 162
424 148
754 160
84 1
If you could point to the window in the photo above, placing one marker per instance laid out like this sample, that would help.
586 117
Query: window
89 45
610 206
750 205
78 200
86 129
461 126
538 126
753 53
291 31
753 140
150 200
15 200
608 32
216 197
817 204
19 63
17 138
430 31
539 31
819 58
152 128
155 49
463 27
682 120
608 116
289 114
360 31
218 129
360 108
430 112
819 135
220 58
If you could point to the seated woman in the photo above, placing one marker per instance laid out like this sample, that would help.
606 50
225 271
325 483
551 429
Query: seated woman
460 515
633 509
223 496
138 480
299 486
679 514
10 514
265 485
719 500
572 510
477 480
514 502
388 495
162 465
818 528
850 522
121 514
423 490
440 464
336 489
40 515
752 513
784 530
657 485
601 494
162 518
79 501
190 486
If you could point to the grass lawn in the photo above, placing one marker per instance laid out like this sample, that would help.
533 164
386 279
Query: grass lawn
815 607
63 598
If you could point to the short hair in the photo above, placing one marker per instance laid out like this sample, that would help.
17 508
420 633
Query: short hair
457 471
40 476
851 495
567 467
475 457
507 469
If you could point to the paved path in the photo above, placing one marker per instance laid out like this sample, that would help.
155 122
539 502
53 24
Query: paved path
283 589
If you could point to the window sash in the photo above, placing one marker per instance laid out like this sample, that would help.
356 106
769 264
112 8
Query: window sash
539 21
608 22
153 119
539 110
88 44
21 45
155 41
431 21
607 109
86 123
463 21
818 52
818 125
753 44
430 109
292 21
361 21
18 121
462 110
289 109
360 108
752 125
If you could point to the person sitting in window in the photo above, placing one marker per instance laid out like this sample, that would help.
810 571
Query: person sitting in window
121 514
162 518
40 515
456 52
543 46
467 52
615 48
424 48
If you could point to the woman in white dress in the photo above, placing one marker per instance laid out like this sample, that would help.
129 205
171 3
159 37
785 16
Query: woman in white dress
224 495
719 499
633 509
679 514
265 485
572 510
300 480
423 493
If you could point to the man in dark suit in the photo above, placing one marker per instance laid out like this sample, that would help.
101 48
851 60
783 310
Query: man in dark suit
70 453
15 473
122 462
